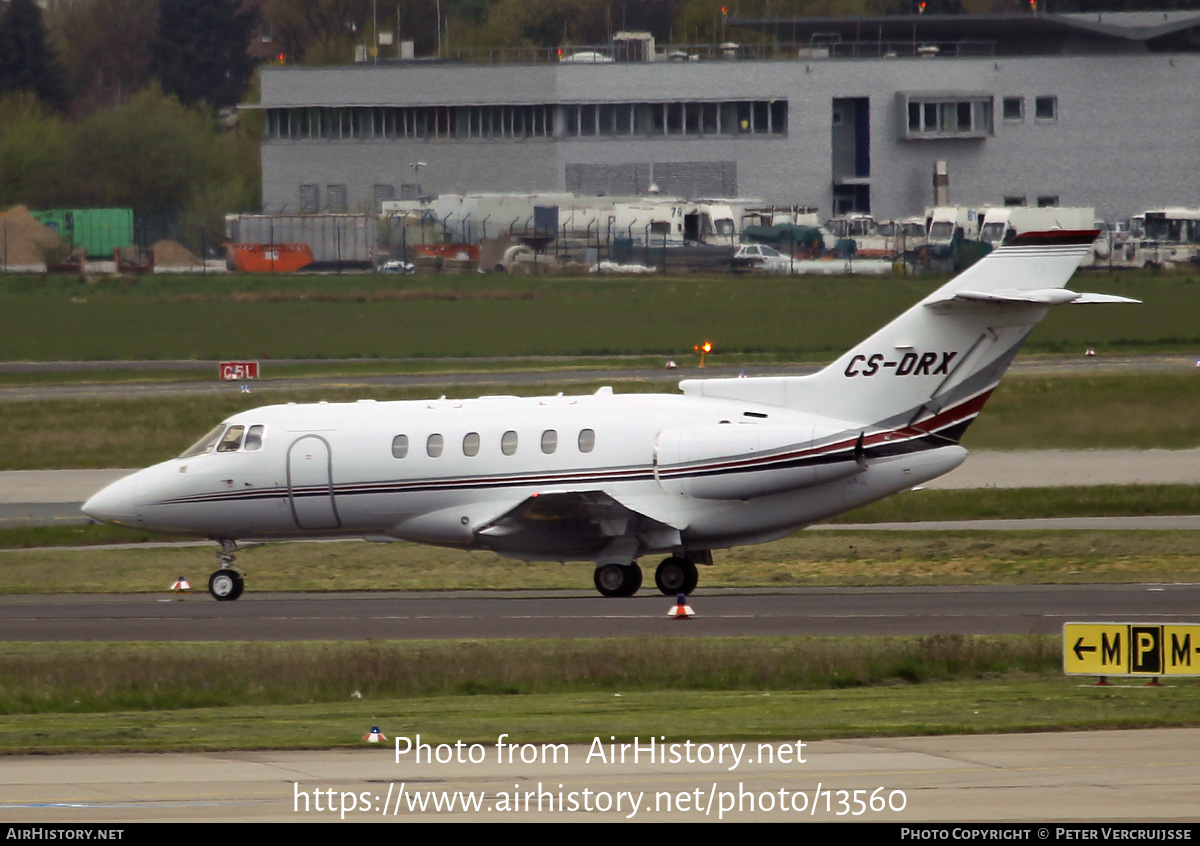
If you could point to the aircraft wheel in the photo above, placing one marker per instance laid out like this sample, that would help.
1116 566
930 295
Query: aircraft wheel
226 585
635 575
618 579
676 575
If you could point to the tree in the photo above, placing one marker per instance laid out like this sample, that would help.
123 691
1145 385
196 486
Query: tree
152 154
316 32
105 47
33 145
199 50
26 61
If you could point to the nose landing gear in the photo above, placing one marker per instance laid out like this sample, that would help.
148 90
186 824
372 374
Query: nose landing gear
226 584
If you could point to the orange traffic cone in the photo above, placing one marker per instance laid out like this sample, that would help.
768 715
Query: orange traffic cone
681 610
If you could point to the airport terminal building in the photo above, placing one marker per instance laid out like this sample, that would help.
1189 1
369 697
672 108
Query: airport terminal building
847 115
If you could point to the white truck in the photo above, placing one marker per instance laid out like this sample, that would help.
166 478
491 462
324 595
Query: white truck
1170 236
947 223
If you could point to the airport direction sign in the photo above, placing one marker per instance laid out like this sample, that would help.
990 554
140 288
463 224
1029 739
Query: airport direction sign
232 371
1131 649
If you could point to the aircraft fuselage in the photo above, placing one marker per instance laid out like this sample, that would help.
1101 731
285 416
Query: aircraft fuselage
721 473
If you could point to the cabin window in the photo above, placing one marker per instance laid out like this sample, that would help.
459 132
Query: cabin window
471 444
1045 108
433 445
549 441
232 439
587 440
204 444
508 442
400 446
254 439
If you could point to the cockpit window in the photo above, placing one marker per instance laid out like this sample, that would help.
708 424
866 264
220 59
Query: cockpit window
232 439
254 439
204 444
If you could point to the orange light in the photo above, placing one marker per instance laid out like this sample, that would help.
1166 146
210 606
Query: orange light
707 346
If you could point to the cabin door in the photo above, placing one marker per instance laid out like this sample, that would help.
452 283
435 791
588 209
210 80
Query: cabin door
310 483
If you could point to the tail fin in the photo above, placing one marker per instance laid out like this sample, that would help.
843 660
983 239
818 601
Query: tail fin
935 365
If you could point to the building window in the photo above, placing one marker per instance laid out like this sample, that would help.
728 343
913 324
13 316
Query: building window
1047 201
945 116
508 442
1045 108
586 120
310 199
335 198
400 446
1014 109
433 446
471 444
1014 200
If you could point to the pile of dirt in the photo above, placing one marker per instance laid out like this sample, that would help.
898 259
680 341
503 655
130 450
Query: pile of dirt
174 254
25 243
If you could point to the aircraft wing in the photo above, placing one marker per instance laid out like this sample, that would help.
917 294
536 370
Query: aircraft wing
576 522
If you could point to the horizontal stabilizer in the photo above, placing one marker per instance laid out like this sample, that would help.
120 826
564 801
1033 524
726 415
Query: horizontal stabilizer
1018 296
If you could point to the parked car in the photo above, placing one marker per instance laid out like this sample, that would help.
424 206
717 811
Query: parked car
397 266
762 257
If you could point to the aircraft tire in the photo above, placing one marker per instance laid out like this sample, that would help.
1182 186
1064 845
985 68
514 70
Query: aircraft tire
618 579
635 574
676 575
226 585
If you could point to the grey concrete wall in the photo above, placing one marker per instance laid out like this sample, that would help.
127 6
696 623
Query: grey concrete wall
1127 135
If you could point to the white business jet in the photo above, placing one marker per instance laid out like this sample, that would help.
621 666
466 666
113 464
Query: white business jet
608 478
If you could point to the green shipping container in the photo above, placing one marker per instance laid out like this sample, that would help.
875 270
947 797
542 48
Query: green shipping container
98 231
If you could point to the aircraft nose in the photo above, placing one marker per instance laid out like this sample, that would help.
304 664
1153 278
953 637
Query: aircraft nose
116 503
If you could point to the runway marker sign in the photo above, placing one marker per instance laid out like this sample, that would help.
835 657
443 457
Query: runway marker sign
232 371
1131 649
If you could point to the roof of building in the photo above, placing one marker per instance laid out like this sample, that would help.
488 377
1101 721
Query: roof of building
1008 34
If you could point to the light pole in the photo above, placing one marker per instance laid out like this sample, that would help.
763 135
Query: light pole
416 169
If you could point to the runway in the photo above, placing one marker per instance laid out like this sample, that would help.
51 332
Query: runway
965 610
1068 777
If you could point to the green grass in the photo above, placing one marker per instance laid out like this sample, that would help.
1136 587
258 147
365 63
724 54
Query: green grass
1022 503
809 558
1104 409
322 695
354 315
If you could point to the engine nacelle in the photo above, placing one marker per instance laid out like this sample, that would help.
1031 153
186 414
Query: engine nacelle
743 461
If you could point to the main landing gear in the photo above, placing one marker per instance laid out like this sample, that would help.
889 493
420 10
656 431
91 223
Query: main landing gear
226 584
618 579
675 575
